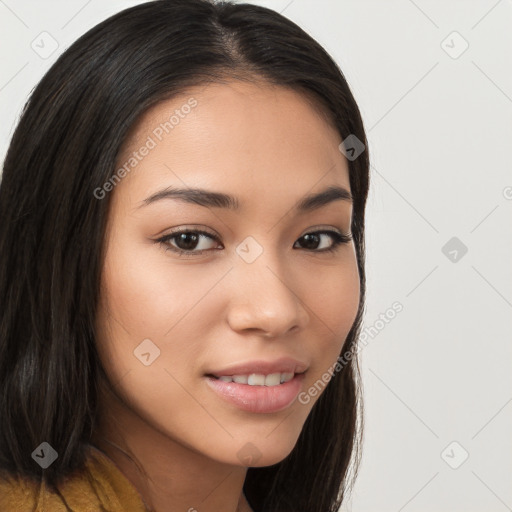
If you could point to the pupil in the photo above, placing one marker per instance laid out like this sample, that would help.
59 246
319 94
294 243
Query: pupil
310 237
183 238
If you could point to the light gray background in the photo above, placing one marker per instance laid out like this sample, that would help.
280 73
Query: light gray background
440 133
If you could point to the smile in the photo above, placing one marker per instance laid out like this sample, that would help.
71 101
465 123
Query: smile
258 379
255 395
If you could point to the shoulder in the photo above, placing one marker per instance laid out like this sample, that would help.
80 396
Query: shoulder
101 486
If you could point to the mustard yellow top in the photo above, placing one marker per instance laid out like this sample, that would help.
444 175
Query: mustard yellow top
101 488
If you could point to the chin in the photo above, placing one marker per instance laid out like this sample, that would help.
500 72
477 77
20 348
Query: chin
261 451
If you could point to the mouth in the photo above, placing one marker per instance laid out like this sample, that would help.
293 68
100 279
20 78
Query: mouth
257 379
257 392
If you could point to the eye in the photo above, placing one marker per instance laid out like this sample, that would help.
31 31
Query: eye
188 241
314 238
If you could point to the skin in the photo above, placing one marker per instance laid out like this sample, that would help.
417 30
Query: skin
268 146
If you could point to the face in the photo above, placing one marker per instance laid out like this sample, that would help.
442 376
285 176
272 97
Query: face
259 288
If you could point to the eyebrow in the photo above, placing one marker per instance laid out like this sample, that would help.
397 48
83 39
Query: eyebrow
210 199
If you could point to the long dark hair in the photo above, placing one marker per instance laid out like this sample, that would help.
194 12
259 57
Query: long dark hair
52 229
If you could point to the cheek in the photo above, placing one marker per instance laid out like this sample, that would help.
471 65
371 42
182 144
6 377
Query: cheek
333 303
143 310
148 294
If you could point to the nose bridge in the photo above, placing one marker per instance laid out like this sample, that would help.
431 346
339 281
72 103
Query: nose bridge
265 298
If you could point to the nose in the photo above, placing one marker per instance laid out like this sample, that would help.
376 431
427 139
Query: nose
263 299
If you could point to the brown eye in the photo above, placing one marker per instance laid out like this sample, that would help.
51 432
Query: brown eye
313 240
186 241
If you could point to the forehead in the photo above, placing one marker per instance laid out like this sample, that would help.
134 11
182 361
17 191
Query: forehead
233 98
237 135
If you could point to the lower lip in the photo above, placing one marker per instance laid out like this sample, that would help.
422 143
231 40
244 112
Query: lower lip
260 399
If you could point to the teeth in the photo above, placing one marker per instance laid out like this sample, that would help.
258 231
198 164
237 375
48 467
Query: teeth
258 379
285 377
273 379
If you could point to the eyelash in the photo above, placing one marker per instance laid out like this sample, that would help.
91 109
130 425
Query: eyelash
338 240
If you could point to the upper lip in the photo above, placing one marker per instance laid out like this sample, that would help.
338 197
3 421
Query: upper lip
282 365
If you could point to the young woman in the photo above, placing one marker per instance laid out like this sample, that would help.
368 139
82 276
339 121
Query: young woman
182 280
